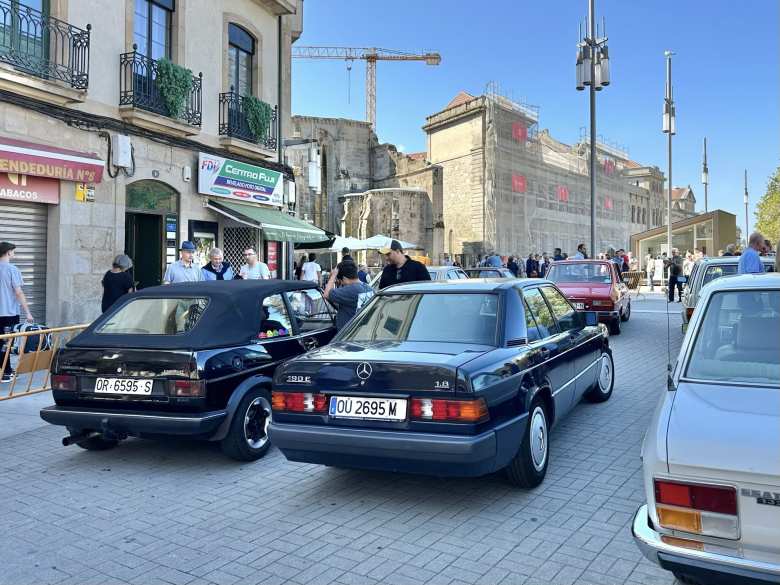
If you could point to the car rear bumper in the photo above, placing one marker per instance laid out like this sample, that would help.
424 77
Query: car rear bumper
201 424
411 452
711 567
607 316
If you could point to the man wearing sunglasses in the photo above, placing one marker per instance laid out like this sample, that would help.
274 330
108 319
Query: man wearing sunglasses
253 269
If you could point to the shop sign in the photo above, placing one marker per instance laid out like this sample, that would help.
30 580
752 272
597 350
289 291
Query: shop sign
271 257
24 188
26 158
223 177
85 192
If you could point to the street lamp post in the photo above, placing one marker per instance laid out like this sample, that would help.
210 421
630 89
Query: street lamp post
669 128
705 176
745 198
593 71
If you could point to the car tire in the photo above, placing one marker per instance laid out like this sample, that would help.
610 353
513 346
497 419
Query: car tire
94 443
627 313
601 390
247 438
614 326
529 465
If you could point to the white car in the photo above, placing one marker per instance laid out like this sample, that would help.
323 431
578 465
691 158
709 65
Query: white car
711 456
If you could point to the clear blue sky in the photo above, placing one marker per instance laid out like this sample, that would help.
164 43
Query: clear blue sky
731 94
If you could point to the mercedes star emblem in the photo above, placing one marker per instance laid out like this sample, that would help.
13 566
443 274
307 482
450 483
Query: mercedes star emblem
364 371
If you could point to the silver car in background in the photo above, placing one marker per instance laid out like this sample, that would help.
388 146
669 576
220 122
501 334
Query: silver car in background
705 271
711 457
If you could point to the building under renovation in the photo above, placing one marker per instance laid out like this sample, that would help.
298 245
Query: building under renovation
510 188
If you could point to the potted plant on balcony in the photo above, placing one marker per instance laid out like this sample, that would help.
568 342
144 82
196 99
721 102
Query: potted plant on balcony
174 83
258 116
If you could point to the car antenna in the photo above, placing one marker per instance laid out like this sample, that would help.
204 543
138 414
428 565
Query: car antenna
670 292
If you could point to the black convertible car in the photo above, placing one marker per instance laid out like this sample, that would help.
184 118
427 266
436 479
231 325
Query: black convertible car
459 378
192 360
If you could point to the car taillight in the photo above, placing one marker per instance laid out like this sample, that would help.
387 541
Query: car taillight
187 388
602 304
449 410
64 382
299 402
689 312
702 509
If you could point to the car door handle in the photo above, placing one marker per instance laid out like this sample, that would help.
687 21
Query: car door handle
309 342
544 352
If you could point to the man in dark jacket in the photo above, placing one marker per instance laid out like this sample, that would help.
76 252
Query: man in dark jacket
400 268
675 265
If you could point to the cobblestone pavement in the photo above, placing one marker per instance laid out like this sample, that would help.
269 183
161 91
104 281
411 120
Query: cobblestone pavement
176 512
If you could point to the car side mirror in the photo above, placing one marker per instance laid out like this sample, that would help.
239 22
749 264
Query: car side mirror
591 318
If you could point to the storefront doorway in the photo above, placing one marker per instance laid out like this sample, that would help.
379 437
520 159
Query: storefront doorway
143 243
151 230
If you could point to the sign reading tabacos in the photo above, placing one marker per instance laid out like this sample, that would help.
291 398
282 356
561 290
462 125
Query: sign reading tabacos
26 158
33 189
223 177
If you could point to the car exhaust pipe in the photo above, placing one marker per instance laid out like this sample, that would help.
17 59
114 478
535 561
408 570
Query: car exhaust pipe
73 439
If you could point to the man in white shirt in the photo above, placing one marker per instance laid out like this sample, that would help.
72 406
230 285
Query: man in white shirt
311 270
254 269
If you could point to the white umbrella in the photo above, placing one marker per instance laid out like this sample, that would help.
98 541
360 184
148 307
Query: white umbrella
346 242
380 241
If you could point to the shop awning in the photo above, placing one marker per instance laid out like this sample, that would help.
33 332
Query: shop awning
39 160
276 226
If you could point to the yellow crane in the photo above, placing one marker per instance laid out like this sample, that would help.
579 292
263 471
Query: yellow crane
370 55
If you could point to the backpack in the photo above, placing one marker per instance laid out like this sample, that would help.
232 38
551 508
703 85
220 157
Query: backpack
31 341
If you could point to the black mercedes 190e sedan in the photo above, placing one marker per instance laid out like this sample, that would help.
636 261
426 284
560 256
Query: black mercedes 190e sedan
192 359
461 378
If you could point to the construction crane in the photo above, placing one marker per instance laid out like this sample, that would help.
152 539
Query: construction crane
370 55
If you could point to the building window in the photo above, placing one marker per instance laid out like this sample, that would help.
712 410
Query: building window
241 51
152 28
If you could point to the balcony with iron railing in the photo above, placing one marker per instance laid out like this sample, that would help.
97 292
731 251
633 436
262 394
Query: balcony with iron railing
234 122
140 91
34 43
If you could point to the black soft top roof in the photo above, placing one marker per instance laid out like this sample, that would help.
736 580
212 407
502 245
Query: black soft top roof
232 316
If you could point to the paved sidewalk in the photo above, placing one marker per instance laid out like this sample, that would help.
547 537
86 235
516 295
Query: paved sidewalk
155 512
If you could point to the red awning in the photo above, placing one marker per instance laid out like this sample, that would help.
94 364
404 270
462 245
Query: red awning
28 158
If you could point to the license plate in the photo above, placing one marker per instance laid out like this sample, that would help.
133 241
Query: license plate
579 306
123 386
359 407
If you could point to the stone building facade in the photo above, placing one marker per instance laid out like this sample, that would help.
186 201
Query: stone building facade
511 188
101 97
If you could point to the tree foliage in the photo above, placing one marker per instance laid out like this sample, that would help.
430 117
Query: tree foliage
768 210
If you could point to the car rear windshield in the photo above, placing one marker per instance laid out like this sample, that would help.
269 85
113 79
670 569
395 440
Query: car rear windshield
590 273
440 317
155 317
738 339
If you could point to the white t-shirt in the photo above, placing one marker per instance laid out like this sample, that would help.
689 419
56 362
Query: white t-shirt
257 272
309 271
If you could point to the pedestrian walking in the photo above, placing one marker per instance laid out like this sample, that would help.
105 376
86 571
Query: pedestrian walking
750 261
400 268
117 282
184 269
649 268
531 266
675 264
311 270
253 269
218 268
12 302
348 298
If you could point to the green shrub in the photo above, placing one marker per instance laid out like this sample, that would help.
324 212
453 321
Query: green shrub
258 116
174 83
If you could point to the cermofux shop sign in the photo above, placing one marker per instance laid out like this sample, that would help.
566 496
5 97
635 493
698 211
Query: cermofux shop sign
223 177
36 160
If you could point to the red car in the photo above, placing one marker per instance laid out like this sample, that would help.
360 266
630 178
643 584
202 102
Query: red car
594 285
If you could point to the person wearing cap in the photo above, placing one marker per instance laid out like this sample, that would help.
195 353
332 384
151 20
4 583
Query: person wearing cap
400 268
117 282
184 269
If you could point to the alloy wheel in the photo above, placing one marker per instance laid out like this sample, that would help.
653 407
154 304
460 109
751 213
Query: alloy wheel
605 373
256 421
538 431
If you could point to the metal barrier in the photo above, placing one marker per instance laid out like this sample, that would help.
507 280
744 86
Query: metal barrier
633 280
31 362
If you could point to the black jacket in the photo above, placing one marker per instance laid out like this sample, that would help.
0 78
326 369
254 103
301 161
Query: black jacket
411 271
